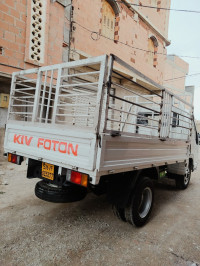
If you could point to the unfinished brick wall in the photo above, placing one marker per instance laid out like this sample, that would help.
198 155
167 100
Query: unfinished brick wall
159 17
15 35
131 32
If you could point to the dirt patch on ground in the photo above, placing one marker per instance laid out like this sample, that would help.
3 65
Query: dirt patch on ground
34 232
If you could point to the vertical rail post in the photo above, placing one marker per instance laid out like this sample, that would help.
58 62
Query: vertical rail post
108 86
43 96
191 120
12 92
160 128
100 92
169 114
57 95
37 96
49 97
164 116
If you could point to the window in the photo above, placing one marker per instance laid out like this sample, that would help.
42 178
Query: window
108 21
5 98
142 118
152 51
145 120
175 120
112 92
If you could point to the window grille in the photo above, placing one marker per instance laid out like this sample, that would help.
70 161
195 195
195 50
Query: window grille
37 30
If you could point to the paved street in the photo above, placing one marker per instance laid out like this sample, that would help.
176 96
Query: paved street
34 232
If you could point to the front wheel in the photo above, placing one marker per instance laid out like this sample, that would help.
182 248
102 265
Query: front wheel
141 203
182 181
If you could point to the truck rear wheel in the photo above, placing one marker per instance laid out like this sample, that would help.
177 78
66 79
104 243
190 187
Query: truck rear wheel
141 202
59 194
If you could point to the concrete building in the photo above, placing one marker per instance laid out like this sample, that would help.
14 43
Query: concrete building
198 125
190 90
176 71
44 32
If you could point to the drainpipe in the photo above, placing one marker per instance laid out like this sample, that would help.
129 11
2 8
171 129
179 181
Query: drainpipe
70 29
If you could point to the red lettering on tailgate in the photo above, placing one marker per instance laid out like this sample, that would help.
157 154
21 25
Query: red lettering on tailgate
54 144
40 142
47 144
17 138
28 140
62 147
59 146
22 139
70 147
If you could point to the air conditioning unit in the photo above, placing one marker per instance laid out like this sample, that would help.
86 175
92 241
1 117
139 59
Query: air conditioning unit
4 100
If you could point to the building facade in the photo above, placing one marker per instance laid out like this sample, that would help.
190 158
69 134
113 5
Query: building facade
39 32
198 126
136 34
43 32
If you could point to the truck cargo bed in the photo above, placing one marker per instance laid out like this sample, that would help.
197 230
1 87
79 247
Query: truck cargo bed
97 117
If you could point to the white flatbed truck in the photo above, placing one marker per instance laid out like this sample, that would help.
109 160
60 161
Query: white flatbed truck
91 125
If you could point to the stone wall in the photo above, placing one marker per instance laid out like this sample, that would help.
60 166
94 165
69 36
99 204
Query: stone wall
2 132
3 117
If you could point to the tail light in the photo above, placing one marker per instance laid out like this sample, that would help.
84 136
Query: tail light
77 178
16 159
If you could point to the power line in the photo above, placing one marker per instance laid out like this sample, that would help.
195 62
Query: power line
162 8
2 64
183 77
98 35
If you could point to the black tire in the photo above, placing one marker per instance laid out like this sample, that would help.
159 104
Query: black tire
141 203
64 194
182 181
119 212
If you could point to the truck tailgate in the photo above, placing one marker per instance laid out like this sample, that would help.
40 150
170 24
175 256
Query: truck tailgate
59 146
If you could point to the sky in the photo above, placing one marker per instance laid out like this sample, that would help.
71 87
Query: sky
184 34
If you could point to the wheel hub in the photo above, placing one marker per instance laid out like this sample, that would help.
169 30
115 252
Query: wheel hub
187 177
146 201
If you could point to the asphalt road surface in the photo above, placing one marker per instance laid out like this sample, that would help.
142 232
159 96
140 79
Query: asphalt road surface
35 232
